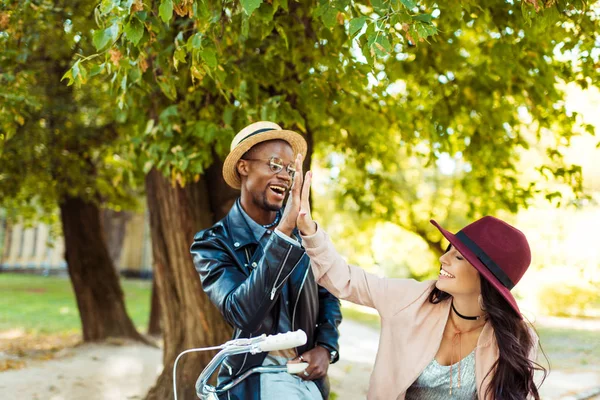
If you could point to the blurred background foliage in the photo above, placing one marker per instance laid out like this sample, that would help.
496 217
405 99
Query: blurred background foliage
413 110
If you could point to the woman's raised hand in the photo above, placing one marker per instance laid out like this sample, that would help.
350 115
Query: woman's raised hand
292 207
305 223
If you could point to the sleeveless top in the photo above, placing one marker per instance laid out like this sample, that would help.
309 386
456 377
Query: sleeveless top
434 381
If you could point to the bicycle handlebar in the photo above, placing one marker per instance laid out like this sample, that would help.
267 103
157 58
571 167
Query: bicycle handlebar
255 345
281 341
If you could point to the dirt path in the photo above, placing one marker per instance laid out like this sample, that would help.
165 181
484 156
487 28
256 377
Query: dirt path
126 372
87 372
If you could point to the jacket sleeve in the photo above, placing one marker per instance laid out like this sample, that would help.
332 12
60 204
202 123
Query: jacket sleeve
330 316
244 301
352 283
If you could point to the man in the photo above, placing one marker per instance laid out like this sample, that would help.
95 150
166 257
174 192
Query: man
258 275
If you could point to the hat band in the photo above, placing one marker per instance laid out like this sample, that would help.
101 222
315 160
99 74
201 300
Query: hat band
486 260
256 133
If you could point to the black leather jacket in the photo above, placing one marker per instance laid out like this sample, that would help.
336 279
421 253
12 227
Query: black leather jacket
245 284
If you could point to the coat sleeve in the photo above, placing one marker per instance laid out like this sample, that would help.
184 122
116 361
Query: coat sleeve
330 316
352 283
245 301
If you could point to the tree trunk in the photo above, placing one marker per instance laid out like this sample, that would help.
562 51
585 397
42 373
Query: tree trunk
154 327
114 224
93 275
7 240
221 196
189 319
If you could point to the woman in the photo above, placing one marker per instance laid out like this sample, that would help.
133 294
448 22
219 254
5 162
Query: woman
461 336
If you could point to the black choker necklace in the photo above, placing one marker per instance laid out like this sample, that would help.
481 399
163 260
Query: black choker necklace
463 316
272 224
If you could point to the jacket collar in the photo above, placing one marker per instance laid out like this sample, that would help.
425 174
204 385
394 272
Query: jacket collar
241 234
486 336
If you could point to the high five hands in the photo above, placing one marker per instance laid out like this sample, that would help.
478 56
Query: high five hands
297 209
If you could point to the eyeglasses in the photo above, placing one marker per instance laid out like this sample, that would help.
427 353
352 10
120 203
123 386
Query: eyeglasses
276 165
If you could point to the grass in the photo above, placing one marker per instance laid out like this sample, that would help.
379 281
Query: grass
46 305
570 348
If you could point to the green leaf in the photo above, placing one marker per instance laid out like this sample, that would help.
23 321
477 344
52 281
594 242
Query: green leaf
245 26
102 37
106 6
250 5
134 30
68 75
283 35
170 111
329 17
168 88
425 30
423 17
135 75
379 6
209 56
356 24
82 73
197 40
368 53
409 4
382 46
430 30
179 57
228 115
75 70
96 69
166 10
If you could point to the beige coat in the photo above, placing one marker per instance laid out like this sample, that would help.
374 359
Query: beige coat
411 327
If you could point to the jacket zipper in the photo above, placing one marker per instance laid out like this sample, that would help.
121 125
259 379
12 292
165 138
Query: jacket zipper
298 299
247 256
299 293
275 289
280 271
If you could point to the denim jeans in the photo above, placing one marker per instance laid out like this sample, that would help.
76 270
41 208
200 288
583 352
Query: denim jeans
282 385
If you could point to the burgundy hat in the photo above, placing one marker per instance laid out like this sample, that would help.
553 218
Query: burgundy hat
496 249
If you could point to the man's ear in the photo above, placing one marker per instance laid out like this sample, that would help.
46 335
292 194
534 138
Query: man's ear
242 167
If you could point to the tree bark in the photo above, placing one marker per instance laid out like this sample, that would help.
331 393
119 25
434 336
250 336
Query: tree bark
221 196
154 326
114 224
93 276
189 319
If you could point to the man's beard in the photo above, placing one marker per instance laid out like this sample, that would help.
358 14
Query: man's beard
268 206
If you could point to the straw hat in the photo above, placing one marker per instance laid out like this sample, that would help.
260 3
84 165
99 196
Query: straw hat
251 135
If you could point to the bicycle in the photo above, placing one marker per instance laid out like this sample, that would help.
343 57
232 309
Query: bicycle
259 344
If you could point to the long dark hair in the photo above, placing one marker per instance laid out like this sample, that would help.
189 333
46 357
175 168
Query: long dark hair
513 371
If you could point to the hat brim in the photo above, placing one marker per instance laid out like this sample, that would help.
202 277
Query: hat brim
230 174
479 266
